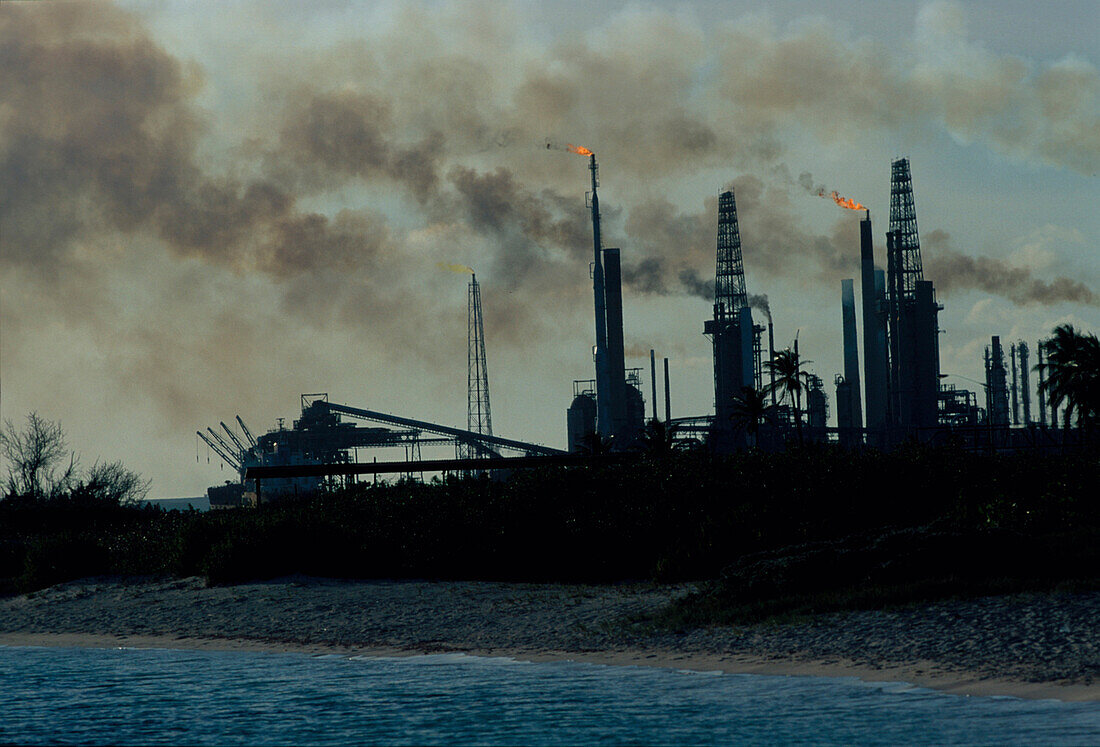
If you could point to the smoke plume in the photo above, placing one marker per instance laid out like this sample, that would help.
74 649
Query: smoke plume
952 271
183 243
760 301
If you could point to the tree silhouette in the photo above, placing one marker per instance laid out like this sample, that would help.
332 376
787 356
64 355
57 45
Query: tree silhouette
658 438
40 466
750 411
791 380
1072 374
35 457
595 444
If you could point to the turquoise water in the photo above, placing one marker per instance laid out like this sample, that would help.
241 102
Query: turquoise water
131 696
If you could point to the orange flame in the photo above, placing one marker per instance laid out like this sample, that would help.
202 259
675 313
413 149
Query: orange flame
580 150
454 268
844 202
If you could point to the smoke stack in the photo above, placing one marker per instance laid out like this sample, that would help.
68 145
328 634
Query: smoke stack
996 382
771 357
873 290
748 338
1015 386
1041 352
653 379
851 352
616 356
604 418
1025 380
668 398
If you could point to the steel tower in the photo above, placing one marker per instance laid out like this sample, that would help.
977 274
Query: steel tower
912 317
903 224
729 281
731 330
478 417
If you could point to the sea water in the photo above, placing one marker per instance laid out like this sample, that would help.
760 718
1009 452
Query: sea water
150 696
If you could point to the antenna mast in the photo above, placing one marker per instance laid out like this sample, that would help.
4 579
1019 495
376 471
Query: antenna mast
478 417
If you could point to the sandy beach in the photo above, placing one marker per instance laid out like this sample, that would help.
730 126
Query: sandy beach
1034 645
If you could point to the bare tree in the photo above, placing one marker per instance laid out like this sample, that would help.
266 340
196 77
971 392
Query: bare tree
40 465
38 460
112 482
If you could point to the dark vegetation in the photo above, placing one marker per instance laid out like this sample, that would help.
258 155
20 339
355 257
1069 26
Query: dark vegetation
811 529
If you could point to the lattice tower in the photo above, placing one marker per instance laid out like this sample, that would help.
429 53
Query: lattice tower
478 417
903 222
729 281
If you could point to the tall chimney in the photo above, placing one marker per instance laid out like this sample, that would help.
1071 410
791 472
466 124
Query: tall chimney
1025 381
668 397
1015 386
748 339
616 363
771 357
873 290
604 418
1041 353
851 351
653 379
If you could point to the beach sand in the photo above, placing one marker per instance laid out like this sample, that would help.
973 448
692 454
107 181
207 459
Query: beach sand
1034 645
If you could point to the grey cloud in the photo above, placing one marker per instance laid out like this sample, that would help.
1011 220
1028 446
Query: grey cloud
953 271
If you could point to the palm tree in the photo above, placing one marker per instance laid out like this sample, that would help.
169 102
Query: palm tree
1072 374
791 380
658 438
595 444
750 410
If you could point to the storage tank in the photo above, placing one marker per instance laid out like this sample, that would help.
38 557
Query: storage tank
581 420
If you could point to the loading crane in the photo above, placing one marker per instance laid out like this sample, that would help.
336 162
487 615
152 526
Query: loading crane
233 436
235 464
247 433
221 441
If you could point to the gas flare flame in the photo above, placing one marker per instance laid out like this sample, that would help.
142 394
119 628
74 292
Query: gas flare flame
462 269
844 202
580 150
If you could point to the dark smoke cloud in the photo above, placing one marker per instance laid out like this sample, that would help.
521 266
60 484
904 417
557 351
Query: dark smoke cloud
100 173
96 132
646 276
135 225
695 285
760 301
100 134
101 137
328 137
952 271
772 244
806 181
529 229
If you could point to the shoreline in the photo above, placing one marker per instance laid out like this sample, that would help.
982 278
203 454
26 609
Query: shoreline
956 683
926 676
1026 646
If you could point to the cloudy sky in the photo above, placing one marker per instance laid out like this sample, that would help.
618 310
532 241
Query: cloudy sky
207 209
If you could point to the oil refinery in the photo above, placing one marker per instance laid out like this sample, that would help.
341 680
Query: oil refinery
763 397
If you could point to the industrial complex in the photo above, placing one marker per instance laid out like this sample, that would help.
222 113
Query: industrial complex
762 396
